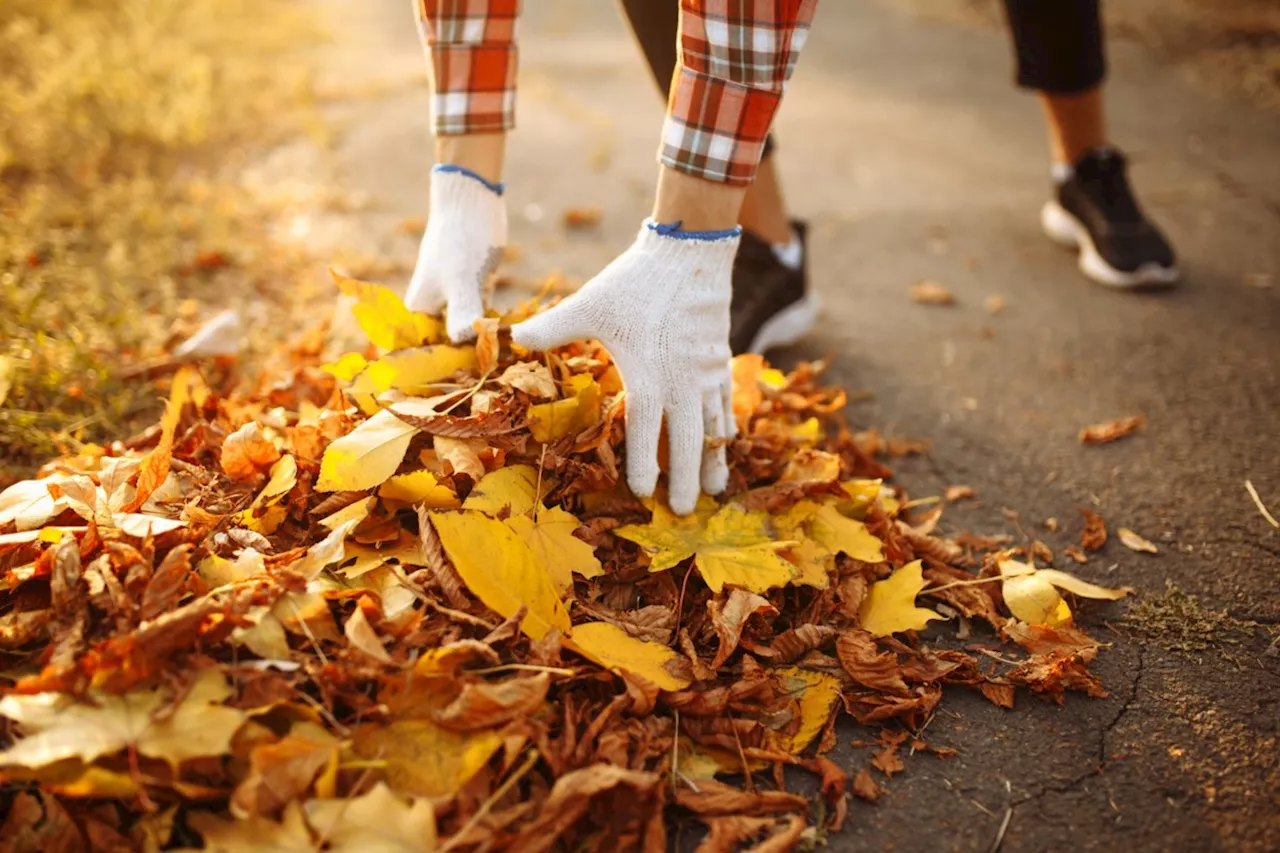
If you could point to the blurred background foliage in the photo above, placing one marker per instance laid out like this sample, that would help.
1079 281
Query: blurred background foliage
124 123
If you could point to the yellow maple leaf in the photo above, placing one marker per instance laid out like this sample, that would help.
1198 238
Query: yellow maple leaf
422 759
510 489
57 727
816 695
366 456
614 649
579 410
501 570
825 525
254 834
555 548
384 319
418 488
890 605
377 822
812 562
730 545
1032 595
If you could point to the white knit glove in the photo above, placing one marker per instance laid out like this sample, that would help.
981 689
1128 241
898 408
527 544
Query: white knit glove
662 310
466 233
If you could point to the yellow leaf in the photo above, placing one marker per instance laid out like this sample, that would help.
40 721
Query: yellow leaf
384 319
419 487
816 694
1032 595
347 367
57 727
615 650
579 410
415 370
554 546
812 466
155 465
824 524
487 347
890 605
254 834
729 545
377 822
362 637
354 513
1134 542
812 562
510 488
747 395
500 569
422 759
808 432
366 456
264 514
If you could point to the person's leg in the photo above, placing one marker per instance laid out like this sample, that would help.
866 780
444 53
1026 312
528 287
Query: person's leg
771 304
656 24
1059 53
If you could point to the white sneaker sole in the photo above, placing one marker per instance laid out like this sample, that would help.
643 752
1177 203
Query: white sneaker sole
787 326
1062 227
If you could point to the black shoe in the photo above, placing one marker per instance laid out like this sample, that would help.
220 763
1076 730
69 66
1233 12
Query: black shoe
1096 212
772 306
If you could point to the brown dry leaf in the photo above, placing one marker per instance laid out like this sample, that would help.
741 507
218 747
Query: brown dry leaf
1134 542
998 694
959 493
890 605
929 292
462 454
579 218
423 759
729 545
717 798
867 665
772 835
1111 430
155 465
729 615
530 377
626 791
247 452
377 822
1039 639
482 705
1095 530
282 772
864 787
1054 673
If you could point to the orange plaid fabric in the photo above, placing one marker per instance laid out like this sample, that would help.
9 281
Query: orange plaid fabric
471 45
735 59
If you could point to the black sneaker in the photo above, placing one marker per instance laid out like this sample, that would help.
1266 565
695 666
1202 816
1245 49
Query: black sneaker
772 306
1096 212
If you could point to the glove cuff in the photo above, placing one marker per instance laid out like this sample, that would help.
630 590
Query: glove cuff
704 257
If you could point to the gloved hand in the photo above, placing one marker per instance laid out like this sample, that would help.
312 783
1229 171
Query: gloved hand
466 233
662 310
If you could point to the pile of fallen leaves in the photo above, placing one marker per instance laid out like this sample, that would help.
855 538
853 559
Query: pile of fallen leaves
404 601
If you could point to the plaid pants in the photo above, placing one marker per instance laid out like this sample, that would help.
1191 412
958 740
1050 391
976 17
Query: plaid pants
735 57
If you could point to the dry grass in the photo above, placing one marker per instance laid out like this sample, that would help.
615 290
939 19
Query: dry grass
124 121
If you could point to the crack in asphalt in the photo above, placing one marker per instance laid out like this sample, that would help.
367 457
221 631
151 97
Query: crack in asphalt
1071 785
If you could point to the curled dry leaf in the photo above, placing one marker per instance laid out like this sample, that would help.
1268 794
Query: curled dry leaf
929 292
247 452
1095 530
1111 430
1134 542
